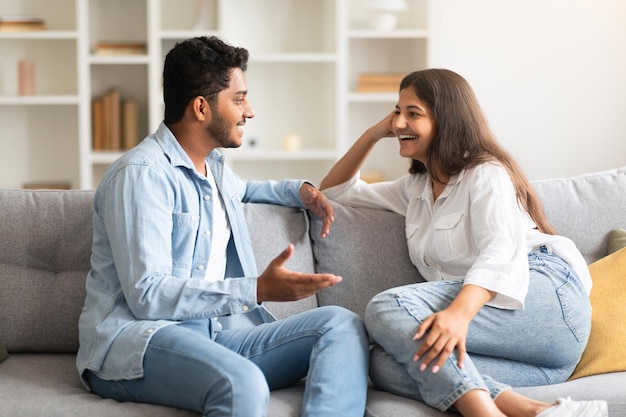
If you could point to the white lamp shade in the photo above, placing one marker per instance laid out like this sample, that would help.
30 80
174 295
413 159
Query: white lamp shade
388 5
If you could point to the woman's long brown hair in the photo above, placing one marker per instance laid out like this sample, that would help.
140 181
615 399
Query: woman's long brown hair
463 138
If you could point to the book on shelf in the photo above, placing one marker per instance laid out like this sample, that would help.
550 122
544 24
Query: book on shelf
114 122
130 117
120 48
21 23
379 82
114 140
97 123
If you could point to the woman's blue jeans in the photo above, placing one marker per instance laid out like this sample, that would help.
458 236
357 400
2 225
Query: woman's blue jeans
538 345
232 374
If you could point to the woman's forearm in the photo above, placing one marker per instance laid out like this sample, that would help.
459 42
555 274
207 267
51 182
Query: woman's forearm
348 166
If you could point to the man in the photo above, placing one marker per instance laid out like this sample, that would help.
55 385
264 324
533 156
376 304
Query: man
172 314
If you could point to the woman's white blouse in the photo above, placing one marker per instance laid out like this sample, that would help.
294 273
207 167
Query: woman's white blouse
475 231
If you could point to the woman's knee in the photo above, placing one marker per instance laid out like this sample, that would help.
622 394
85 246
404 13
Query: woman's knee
376 309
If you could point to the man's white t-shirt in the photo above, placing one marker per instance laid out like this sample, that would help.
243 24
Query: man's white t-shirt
221 235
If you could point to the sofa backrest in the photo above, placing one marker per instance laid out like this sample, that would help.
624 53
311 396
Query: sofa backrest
45 249
586 208
45 246
44 259
272 228
368 247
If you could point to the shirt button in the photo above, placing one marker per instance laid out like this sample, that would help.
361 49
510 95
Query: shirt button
200 267
244 308
150 330
194 218
207 232
207 197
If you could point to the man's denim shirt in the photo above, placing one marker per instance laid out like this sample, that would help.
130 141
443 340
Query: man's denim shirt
152 232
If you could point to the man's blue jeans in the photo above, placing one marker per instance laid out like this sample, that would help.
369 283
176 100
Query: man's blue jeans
232 374
538 345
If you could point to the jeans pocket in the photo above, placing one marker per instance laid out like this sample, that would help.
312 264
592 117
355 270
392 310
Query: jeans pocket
576 309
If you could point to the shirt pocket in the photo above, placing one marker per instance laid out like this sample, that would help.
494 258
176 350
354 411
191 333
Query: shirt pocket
184 234
450 237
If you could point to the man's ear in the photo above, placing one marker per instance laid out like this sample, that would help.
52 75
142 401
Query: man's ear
200 109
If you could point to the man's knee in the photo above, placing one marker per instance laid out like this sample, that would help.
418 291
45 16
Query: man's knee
343 320
244 391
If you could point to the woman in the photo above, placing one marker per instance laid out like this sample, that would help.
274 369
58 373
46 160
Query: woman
502 288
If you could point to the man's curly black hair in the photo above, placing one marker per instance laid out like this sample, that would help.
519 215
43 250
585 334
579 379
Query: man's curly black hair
198 67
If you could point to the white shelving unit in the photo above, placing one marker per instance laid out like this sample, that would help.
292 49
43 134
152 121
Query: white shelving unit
39 133
367 50
301 77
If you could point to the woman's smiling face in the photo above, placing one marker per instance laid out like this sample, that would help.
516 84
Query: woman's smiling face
414 125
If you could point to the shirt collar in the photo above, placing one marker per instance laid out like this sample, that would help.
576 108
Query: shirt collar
426 192
175 153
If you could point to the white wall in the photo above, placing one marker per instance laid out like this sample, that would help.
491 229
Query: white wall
549 74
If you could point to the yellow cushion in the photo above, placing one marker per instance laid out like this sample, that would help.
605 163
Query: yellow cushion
617 240
606 349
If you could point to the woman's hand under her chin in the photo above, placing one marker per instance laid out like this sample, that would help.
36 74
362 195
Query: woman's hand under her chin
384 128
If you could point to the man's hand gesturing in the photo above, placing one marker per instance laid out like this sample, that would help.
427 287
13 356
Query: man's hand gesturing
278 283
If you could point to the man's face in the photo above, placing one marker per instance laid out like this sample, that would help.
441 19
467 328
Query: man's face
229 112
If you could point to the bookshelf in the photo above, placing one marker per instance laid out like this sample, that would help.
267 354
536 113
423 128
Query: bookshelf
302 77
39 132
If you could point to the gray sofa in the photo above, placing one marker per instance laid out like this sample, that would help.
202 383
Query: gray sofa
44 257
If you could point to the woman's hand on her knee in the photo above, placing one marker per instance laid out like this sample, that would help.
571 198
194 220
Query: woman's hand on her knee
446 330
441 333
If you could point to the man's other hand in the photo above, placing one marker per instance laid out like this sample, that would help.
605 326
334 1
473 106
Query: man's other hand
315 201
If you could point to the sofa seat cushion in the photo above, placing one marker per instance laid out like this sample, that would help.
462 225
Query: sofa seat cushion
605 350
38 384
48 385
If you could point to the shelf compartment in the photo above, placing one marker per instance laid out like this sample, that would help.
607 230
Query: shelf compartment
54 63
293 98
415 18
189 16
117 21
131 81
282 26
48 149
59 15
385 55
